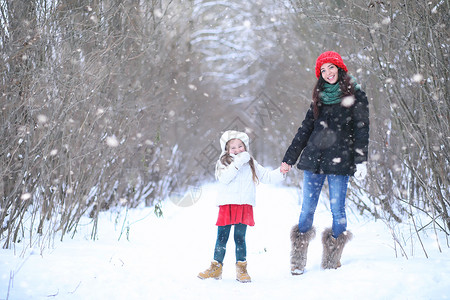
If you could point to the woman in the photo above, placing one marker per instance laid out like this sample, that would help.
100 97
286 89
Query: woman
332 143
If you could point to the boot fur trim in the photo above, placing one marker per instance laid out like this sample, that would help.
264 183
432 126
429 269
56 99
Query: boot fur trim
299 248
333 247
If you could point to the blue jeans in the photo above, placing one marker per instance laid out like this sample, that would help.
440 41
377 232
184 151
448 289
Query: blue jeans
312 185
223 232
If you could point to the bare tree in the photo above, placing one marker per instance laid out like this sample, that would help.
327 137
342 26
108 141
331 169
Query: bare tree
85 91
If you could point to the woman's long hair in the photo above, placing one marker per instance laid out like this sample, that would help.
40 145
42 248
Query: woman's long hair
345 84
226 159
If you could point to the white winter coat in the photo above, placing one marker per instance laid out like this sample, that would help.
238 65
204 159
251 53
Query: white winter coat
237 186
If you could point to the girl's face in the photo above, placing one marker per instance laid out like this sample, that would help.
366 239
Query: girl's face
236 146
329 73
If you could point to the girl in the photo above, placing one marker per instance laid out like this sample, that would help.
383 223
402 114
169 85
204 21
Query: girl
237 173
333 142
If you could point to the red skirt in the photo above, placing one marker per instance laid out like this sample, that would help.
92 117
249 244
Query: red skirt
234 214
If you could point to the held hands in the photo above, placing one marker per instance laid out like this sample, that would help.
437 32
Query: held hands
361 171
240 159
285 168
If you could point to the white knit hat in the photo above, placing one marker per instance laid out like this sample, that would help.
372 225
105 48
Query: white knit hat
230 135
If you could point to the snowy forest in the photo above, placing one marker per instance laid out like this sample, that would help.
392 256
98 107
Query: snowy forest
118 104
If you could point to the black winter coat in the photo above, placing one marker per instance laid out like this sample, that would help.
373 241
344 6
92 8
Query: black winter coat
335 142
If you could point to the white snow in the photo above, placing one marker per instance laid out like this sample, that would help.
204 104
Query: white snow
162 257
112 141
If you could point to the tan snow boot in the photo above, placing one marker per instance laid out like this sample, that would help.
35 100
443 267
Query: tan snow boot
299 248
241 272
333 247
214 271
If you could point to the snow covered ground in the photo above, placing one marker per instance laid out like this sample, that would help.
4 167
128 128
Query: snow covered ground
159 258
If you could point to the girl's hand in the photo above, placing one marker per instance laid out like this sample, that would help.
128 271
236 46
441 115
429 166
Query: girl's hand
241 158
285 168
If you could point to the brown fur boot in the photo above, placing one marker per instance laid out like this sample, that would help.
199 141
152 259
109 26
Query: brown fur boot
241 272
300 243
214 271
332 248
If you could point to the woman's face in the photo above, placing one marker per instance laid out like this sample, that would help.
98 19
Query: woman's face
329 73
236 146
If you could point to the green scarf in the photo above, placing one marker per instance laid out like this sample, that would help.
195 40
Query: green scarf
331 93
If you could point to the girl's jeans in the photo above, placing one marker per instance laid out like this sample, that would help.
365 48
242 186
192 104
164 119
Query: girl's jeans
223 232
312 185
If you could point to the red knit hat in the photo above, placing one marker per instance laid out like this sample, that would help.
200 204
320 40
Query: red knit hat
329 57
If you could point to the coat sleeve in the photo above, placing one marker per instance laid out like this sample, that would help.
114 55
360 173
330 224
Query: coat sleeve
225 174
269 176
361 126
301 139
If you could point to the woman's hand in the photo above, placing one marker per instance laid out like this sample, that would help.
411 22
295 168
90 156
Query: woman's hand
285 168
361 171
